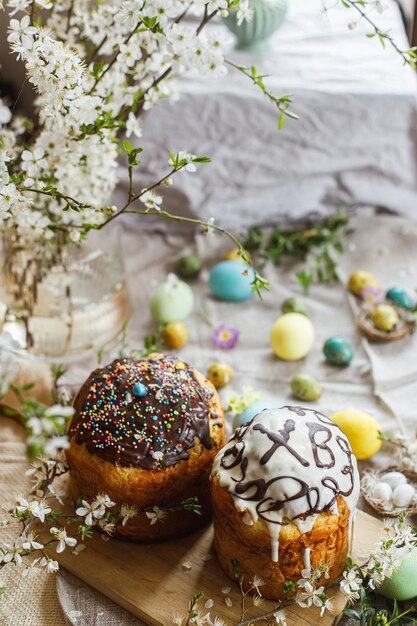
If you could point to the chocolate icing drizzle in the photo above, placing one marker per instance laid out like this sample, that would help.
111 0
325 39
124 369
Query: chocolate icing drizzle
153 431
262 493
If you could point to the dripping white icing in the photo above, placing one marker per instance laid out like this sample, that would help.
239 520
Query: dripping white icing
288 464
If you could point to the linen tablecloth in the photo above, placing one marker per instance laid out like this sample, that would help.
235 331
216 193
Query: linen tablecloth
386 245
355 142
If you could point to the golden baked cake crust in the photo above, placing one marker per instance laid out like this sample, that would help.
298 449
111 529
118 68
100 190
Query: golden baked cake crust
284 491
117 448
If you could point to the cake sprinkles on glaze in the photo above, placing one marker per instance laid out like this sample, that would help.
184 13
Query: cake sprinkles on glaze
288 464
142 413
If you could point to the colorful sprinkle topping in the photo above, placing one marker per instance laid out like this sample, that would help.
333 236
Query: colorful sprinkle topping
151 423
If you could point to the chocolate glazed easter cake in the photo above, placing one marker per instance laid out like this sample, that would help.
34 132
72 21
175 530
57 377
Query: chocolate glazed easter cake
284 490
145 432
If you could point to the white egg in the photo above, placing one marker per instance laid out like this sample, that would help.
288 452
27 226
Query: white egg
403 495
382 492
394 479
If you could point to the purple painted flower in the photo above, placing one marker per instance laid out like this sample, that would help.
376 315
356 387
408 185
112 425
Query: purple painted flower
224 337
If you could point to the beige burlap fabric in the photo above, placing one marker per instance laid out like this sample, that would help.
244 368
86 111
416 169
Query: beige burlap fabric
28 602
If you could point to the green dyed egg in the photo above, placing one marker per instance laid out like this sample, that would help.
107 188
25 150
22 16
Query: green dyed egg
399 297
305 387
294 305
173 301
402 585
338 351
188 266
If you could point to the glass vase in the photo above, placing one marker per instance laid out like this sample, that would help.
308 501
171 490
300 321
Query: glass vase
65 306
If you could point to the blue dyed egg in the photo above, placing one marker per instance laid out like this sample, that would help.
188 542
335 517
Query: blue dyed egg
173 301
338 351
231 281
399 297
250 412
139 390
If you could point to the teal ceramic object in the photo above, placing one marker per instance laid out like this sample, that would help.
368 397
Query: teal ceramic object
231 281
338 351
268 15
399 297
402 585
250 412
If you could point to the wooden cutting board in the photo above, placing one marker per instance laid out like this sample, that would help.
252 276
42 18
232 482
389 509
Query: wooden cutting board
151 581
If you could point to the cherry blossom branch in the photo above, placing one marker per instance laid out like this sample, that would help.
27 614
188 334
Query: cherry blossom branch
409 56
258 283
282 102
113 61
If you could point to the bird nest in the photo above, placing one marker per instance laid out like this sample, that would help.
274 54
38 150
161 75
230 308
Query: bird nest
370 478
403 328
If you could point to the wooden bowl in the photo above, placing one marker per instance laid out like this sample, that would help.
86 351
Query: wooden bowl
404 327
378 475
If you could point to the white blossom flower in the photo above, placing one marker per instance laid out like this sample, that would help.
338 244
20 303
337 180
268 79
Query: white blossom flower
17 6
91 512
130 53
127 511
156 515
133 126
200 619
5 114
151 200
19 29
310 595
162 9
103 500
244 12
257 582
60 534
11 553
177 619
32 568
49 565
351 584
129 14
107 527
55 444
29 542
324 603
280 618
35 508
208 228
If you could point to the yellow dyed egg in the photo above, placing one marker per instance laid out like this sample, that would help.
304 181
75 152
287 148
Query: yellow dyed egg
292 336
384 317
362 431
220 374
175 335
361 279
235 254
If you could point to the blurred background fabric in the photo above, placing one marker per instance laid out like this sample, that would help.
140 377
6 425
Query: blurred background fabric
355 142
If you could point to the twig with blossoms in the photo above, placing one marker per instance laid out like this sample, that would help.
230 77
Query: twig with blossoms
363 7
360 581
66 529
258 283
